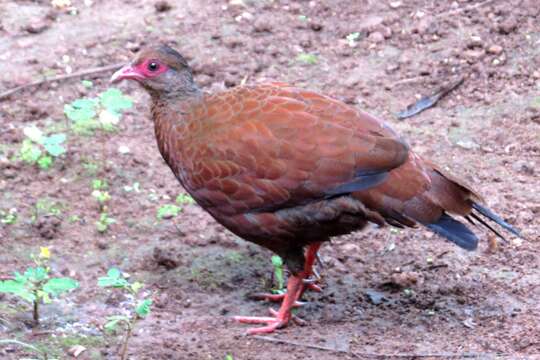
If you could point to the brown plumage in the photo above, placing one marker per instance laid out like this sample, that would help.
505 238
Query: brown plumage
288 168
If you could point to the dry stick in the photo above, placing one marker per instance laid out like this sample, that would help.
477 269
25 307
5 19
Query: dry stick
288 342
465 8
378 355
90 71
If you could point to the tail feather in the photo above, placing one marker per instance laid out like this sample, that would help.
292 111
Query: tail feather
495 218
454 231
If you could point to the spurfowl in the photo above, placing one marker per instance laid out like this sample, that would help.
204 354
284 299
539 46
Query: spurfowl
288 168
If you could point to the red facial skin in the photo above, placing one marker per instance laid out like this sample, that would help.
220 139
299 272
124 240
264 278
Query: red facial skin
140 71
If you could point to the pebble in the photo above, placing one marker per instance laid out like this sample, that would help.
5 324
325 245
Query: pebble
474 55
475 42
507 26
376 37
262 25
495 49
162 6
36 27
524 167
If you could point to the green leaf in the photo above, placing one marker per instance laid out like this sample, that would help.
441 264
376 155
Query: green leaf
306 58
33 133
18 288
98 184
45 162
183 199
52 144
136 286
81 110
278 272
168 211
29 152
229 357
57 286
143 308
114 278
114 101
112 322
36 274
87 83
277 261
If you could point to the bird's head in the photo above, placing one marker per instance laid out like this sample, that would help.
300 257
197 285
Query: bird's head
161 70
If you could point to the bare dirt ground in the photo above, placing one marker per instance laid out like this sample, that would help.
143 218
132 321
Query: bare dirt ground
385 291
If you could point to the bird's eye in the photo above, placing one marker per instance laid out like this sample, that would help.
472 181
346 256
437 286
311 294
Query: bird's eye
153 66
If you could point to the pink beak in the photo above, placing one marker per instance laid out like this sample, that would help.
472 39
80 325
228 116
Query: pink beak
126 72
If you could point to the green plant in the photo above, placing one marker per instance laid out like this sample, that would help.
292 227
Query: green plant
141 305
98 184
279 280
47 207
40 149
103 112
36 285
104 221
352 39
168 211
306 58
8 217
100 194
24 345
184 199
87 83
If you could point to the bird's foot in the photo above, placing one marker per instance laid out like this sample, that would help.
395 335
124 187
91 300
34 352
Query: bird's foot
272 323
273 298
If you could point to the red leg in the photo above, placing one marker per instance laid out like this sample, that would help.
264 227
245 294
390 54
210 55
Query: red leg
295 286
311 256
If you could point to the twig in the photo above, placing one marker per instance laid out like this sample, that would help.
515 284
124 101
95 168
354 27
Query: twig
90 71
294 343
382 355
425 355
24 345
465 8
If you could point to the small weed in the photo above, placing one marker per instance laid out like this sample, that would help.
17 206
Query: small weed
135 187
306 58
101 113
104 221
279 280
100 194
87 84
42 353
47 207
36 285
40 149
352 39
141 305
184 199
98 184
90 167
8 217
74 218
168 211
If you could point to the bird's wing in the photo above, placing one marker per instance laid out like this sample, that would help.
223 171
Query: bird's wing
266 148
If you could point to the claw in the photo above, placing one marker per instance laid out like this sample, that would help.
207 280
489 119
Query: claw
297 320
272 323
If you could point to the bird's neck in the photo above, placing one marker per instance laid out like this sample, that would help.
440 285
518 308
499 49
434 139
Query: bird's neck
170 117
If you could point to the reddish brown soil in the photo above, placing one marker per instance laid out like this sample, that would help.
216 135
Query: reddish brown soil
385 291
